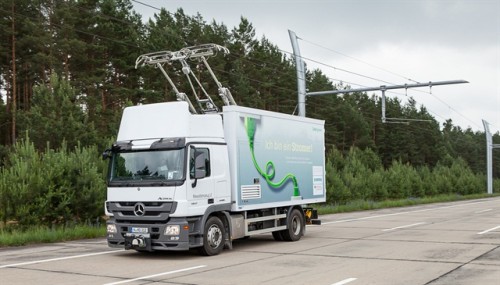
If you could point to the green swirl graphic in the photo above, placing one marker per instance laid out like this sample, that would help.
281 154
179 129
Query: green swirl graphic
268 175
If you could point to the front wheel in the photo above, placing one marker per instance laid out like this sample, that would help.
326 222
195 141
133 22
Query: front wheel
295 226
213 237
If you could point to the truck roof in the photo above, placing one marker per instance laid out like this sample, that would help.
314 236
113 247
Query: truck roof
166 120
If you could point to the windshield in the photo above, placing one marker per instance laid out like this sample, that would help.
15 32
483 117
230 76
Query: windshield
160 165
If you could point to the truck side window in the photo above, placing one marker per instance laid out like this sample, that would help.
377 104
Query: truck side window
206 152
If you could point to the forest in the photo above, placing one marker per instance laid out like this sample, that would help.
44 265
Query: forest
67 70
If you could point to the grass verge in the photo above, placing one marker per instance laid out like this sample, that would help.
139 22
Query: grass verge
39 234
361 205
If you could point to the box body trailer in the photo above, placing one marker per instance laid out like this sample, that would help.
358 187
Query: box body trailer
276 159
179 180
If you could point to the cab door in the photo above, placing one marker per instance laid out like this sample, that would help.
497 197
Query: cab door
201 184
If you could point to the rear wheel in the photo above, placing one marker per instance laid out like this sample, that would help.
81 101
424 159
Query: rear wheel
295 226
213 237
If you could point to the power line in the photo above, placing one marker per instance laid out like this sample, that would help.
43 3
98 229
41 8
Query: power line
287 52
397 74
125 44
336 68
330 66
239 56
348 71
359 60
361 75
342 69
76 30
147 5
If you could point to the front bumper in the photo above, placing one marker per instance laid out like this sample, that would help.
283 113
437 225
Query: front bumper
153 238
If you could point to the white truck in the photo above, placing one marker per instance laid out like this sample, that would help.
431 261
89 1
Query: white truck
179 180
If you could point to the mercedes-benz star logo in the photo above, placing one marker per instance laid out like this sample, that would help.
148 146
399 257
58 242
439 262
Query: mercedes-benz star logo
139 209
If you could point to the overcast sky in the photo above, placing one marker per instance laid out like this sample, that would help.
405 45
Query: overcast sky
390 40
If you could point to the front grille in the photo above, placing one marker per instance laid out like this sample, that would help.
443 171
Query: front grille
147 204
154 212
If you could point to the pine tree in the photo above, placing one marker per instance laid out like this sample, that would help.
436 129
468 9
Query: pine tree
57 116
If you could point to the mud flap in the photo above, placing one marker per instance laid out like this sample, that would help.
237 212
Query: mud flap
311 216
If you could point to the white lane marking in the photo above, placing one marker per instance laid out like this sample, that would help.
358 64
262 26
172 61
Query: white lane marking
156 275
487 231
483 211
403 227
345 281
57 259
400 213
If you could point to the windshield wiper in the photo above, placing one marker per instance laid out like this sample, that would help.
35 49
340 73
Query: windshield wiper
148 177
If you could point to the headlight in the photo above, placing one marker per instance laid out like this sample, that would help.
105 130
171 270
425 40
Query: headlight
172 230
111 228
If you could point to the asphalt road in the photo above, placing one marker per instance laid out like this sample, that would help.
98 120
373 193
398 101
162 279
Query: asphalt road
447 243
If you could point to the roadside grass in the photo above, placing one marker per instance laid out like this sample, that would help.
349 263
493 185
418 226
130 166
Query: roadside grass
12 236
361 205
16 237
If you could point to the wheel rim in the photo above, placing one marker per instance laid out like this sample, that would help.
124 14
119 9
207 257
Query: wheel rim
296 226
214 236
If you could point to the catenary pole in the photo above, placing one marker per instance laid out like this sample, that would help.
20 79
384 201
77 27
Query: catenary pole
301 83
489 156
301 75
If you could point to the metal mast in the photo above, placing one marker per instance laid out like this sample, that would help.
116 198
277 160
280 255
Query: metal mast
383 88
302 93
301 75
489 158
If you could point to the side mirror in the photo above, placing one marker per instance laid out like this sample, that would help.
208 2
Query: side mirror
106 154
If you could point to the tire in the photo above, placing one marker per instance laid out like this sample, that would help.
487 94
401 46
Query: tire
295 226
213 237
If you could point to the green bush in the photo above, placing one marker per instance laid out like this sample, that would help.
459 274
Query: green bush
355 177
378 186
55 187
397 179
358 176
428 181
443 179
336 191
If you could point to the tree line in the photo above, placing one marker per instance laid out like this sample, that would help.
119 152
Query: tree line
67 71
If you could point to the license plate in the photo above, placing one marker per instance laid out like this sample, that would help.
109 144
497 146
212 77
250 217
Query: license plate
136 230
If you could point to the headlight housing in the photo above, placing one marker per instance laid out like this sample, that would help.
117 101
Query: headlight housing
172 230
111 228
